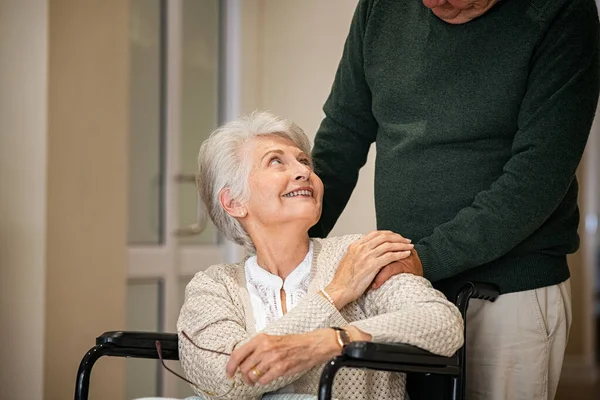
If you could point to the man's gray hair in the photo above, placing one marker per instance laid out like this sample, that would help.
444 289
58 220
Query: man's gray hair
224 162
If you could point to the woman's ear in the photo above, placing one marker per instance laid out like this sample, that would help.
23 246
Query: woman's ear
231 205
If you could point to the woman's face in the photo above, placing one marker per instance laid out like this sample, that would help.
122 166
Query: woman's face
283 186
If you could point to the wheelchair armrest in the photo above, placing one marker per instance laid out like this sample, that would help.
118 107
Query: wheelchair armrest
396 353
483 291
124 344
475 290
386 357
139 340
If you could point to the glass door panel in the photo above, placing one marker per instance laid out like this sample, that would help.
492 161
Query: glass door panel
145 120
174 106
199 101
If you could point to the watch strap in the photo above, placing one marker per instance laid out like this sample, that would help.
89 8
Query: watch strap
342 336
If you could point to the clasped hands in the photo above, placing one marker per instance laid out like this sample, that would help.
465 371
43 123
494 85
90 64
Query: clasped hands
368 263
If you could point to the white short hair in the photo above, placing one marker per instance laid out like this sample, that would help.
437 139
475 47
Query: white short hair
224 163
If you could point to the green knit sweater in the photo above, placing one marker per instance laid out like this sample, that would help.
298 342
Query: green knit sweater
479 129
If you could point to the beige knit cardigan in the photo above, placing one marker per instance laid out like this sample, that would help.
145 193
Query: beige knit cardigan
217 314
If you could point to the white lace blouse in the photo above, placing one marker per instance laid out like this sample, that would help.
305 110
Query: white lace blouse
265 288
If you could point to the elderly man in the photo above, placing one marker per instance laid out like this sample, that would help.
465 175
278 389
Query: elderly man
480 111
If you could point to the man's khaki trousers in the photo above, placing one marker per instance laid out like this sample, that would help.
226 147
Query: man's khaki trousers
516 345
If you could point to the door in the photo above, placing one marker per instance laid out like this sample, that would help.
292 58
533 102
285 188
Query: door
177 85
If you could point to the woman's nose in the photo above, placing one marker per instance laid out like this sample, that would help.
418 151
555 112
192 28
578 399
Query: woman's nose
302 173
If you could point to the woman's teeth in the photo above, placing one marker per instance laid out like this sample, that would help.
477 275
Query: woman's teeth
299 193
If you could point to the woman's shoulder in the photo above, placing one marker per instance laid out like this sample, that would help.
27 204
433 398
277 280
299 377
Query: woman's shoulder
211 295
332 249
338 242
226 275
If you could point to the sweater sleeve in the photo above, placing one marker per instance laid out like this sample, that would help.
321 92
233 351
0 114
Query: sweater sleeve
349 128
553 126
406 309
312 313
214 319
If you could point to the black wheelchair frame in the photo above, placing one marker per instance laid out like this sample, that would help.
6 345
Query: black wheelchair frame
399 357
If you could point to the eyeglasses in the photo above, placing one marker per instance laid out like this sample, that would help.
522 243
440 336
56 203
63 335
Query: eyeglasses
235 381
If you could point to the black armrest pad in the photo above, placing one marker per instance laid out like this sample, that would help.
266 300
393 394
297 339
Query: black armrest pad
396 354
140 340
485 291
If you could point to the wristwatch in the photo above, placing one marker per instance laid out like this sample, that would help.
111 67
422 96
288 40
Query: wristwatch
342 336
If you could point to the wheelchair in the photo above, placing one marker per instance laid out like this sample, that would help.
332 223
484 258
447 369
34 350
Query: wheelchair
391 357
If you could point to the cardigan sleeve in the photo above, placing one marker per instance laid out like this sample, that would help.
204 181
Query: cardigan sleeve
406 309
214 319
313 312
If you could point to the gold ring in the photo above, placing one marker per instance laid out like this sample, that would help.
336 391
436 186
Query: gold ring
256 372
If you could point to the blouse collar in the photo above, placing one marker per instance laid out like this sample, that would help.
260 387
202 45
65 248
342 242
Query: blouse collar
297 278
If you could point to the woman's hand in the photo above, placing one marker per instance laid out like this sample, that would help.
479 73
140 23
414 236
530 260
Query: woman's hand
361 263
267 357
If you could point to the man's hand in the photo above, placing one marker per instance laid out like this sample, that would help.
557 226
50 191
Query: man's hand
410 265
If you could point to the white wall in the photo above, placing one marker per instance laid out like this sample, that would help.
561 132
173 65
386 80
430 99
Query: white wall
23 82
291 53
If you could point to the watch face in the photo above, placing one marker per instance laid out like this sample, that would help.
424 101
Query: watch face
344 336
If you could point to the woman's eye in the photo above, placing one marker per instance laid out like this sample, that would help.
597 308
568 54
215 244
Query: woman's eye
275 161
305 161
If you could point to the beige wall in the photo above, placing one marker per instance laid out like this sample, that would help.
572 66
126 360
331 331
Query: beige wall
22 196
63 153
88 108
582 346
580 349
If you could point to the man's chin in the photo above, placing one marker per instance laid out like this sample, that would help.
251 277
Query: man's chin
454 17
457 16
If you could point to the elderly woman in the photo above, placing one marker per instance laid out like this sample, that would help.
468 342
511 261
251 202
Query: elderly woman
268 323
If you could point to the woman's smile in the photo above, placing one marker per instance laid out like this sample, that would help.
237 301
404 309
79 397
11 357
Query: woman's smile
300 192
